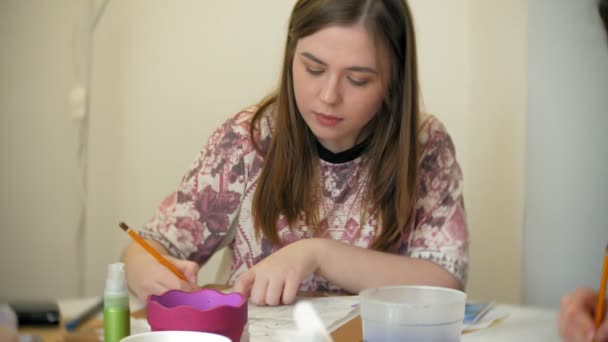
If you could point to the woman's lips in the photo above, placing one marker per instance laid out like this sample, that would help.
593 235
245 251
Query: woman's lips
327 120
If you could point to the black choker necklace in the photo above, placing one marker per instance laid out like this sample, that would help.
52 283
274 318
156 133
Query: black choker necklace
344 156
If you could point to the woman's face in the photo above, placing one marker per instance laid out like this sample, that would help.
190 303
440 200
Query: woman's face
339 82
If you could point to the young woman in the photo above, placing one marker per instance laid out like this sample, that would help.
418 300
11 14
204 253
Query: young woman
337 181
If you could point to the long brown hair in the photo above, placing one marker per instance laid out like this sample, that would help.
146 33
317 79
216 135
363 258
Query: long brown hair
289 179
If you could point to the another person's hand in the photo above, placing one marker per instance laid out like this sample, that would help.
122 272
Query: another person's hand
8 334
276 279
146 276
576 317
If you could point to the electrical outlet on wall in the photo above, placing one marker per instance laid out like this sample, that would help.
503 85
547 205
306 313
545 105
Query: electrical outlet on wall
77 98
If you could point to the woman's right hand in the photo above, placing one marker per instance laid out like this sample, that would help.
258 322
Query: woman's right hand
146 276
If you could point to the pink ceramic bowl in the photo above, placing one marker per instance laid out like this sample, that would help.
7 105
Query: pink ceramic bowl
205 310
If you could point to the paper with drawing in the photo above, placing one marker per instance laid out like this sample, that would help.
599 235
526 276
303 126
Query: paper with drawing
264 321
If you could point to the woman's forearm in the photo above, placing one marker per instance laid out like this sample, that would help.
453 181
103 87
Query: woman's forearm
354 268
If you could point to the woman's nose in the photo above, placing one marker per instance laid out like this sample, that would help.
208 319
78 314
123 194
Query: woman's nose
330 91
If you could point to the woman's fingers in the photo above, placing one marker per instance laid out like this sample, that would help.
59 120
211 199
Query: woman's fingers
263 290
602 334
290 289
244 283
188 268
274 291
258 291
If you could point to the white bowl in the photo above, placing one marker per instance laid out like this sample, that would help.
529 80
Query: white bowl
175 336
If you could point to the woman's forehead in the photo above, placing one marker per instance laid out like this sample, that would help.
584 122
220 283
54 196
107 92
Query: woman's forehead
341 46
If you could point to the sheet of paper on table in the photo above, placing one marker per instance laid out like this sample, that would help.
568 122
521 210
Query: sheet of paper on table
264 321
492 316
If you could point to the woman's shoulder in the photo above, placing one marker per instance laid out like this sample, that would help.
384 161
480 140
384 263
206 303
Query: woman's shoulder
431 131
239 124
242 121
439 171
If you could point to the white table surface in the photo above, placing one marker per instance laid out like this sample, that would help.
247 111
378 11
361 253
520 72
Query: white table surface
523 324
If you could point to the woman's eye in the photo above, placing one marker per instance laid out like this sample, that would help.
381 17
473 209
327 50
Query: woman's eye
356 82
313 71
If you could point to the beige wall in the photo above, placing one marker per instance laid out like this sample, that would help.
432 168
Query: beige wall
497 146
473 69
39 176
165 75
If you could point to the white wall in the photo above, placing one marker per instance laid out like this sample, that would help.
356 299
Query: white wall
165 75
566 227
39 178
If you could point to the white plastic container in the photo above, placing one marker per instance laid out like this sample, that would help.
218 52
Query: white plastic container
412 314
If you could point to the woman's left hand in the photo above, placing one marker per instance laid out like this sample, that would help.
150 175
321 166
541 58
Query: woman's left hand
276 279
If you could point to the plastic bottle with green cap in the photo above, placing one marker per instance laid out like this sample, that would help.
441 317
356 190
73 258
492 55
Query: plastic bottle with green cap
116 314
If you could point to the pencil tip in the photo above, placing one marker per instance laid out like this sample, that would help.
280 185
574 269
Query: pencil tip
123 226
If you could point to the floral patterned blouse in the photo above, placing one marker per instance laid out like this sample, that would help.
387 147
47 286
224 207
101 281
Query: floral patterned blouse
213 204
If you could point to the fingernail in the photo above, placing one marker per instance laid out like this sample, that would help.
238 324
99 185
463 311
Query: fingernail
590 335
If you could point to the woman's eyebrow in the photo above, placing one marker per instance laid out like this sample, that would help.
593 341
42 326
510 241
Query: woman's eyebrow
315 59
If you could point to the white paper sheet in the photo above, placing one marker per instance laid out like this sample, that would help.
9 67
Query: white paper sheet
264 321
494 315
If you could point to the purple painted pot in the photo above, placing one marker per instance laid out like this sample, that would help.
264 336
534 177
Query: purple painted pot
205 310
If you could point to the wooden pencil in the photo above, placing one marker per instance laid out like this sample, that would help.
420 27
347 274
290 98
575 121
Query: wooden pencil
601 298
152 251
